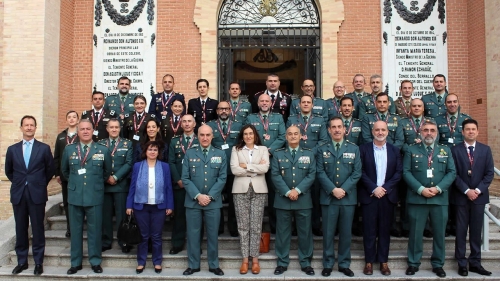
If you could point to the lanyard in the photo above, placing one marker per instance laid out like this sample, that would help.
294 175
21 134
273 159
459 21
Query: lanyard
116 146
452 128
265 123
189 144
429 158
98 118
224 137
350 128
203 109
233 113
165 103
334 101
70 140
275 98
307 123
471 157
82 162
386 118
176 128
404 108
414 126
137 127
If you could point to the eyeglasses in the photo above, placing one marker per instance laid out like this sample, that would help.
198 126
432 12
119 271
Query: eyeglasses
224 108
308 86
339 87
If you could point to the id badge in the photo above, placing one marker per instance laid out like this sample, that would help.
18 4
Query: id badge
82 171
136 137
450 140
225 146
96 133
429 173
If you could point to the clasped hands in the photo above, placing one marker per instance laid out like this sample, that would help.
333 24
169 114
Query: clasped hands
379 192
472 194
338 193
430 192
293 195
203 200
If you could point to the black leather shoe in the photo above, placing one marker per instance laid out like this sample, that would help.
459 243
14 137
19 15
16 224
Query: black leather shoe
19 268
190 271
68 234
308 270
233 233
158 270
126 249
273 231
326 272
462 271
175 250
346 271
479 270
294 232
105 248
279 270
38 269
395 233
405 233
221 232
428 233
356 232
74 269
139 270
411 270
318 232
216 271
439 272
97 268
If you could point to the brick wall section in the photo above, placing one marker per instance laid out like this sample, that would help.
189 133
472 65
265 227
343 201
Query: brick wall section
66 61
360 44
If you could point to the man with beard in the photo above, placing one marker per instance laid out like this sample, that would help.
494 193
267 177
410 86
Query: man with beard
334 103
368 103
381 166
161 102
403 107
358 83
240 108
98 116
122 103
450 131
434 105
428 170
271 130
225 137
280 101
319 105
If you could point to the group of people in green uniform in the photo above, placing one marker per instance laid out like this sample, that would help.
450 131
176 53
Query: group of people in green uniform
339 165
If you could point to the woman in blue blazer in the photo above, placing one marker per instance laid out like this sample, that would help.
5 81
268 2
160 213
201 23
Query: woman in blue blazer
151 199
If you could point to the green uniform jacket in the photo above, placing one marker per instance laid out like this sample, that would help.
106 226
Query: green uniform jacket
415 165
356 101
409 130
121 164
101 125
401 108
233 129
432 108
395 137
445 132
332 110
276 130
243 108
342 169
113 103
288 174
316 131
176 157
86 189
204 176
367 106
319 107
354 134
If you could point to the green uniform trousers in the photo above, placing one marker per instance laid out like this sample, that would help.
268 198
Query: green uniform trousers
94 233
114 202
284 234
179 219
342 216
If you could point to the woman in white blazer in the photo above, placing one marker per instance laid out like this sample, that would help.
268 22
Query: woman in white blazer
249 164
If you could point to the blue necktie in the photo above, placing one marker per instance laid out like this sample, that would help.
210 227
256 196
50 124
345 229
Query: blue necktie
27 154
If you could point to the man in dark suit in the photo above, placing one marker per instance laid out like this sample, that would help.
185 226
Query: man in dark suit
475 171
161 102
30 167
281 102
382 171
202 108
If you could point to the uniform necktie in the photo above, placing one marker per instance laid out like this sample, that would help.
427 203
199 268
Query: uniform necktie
203 103
407 103
264 117
235 104
346 123
224 127
453 119
429 151
471 152
272 98
205 152
96 115
360 95
140 116
113 142
27 153
417 121
337 147
167 97
293 154
176 120
188 139
382 116
338 102
85 149
305 119
439 98
123 99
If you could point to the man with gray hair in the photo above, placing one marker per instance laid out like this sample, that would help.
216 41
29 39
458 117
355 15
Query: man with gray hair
368 104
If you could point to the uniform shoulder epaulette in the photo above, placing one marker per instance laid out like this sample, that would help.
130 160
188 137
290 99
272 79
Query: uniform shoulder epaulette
126 115
356 119
349 142
152 115
285 94
260 93
305 148
103 141
176 137
72 144
112 95
179 94
465 115
112 113
280 149
316 115
99 143
84 112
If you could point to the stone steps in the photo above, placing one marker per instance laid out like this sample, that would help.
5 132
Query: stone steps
174 274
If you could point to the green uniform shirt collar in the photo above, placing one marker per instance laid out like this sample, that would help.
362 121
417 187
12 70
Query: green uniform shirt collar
115 139
191 136
432 146
208 148
82 145
385 113
308 115
296 149
442 95
456 115
335 143
236 100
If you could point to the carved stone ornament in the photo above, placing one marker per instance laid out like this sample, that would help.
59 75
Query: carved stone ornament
410 16
118 18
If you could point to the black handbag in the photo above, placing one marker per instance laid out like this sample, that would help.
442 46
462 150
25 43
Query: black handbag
128 231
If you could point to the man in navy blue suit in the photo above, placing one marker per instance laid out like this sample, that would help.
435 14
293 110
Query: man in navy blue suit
475 171
29 165
382 169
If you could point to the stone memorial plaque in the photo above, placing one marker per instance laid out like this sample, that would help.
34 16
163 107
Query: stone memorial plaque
414 44
124 45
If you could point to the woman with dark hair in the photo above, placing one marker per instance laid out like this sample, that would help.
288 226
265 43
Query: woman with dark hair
249 164
67 136
171 123
134 124
151 133
151 199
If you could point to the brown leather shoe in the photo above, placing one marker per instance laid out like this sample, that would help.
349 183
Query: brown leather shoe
244 268
255 268
368 270
384 269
